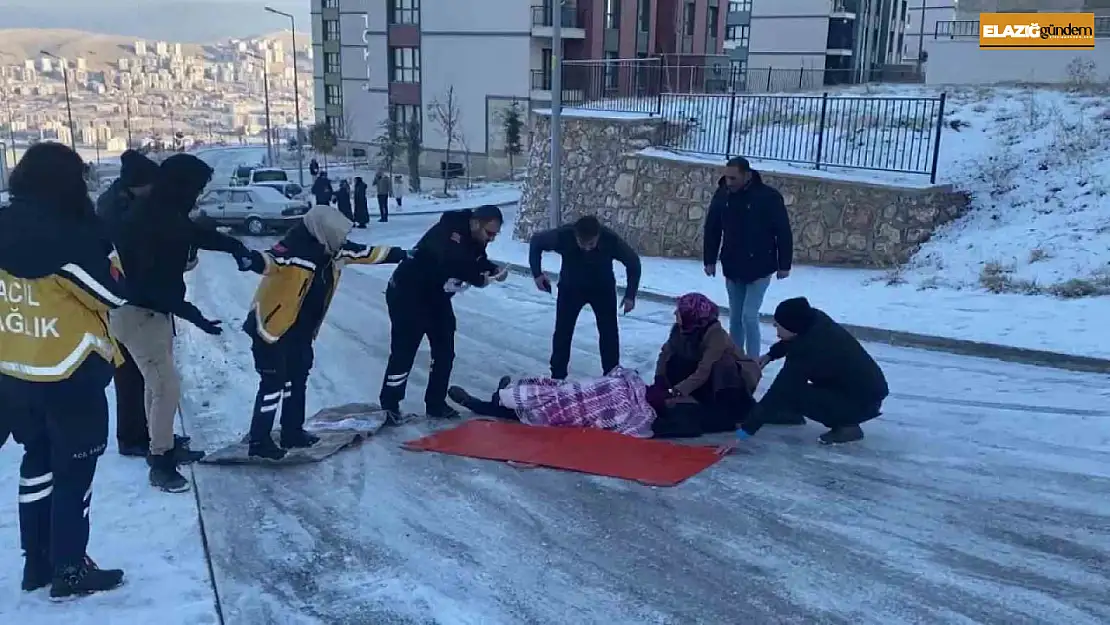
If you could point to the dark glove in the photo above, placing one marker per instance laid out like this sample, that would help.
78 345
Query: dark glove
215 328
251 261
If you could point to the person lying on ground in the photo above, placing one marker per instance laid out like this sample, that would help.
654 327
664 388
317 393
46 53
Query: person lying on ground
703 382
615 402
300 276
827 376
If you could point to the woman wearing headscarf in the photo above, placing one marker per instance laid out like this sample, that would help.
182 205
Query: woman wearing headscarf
300 275
703 381
57 282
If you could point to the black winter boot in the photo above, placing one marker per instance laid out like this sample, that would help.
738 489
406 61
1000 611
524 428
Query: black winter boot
37 571
298 439
265 449
836 436
85 578
443 412
164 475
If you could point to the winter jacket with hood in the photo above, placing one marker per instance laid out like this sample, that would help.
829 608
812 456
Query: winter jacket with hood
157 236
57 281
748 231
445 261
301 273
708 348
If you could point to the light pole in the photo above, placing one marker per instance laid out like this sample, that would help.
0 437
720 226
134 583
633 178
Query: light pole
69 105
266 96
11 125
296 93
921 40
127 105
555 210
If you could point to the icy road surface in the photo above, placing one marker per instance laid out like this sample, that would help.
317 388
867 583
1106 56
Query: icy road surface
980 496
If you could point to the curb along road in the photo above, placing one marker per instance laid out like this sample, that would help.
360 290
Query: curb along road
897 338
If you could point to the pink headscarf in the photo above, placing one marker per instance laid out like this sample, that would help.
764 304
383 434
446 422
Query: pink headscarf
696 312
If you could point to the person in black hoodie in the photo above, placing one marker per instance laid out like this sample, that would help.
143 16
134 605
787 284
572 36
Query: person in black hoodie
828 376
322 189
586 279
362 208
136 179
448 259
154 250
748 230
57 284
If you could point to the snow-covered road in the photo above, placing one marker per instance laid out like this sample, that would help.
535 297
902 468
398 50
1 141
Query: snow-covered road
978 497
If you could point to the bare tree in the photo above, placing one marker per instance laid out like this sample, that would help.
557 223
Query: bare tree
512 124
347 130
322 138
446 115
391 142
467 176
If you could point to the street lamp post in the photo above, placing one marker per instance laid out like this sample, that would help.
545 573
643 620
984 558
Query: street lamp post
266 97
69 105
11 125
555 209
296 93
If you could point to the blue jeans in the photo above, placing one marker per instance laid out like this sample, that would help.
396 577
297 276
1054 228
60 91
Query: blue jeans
744 300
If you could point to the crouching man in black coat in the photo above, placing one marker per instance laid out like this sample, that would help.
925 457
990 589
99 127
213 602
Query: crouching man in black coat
828 376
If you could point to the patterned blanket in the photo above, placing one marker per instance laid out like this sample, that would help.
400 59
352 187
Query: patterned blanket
616 402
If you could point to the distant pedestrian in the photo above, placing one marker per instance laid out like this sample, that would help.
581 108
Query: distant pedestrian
313 168
748 230
383 185
362 209
398 189
588 250
322 189
343 200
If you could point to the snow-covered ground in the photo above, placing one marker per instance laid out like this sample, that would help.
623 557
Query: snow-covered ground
1035 161
154 537
976 498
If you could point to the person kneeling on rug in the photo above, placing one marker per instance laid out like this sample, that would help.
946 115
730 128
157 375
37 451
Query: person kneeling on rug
703 382
827 376
615 402
300 276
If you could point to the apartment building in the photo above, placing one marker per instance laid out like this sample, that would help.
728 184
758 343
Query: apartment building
970 9
843 37
377 58
922 18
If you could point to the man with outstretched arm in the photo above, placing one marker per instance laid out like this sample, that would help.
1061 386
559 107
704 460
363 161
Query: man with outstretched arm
301 273
588 250
828 376
448 259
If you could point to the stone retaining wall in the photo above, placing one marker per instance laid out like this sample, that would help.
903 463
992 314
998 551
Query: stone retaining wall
657 201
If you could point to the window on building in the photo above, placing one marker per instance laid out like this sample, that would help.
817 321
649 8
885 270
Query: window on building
336 125
738 35
331 30
643 15
333 94
329 4
689 17
711 21
404 11
547 64
612 71
404 64
612 14
405 114
740 6
332 64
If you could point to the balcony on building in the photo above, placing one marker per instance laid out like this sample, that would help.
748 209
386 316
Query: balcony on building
841 38
541 88
844 9
572 25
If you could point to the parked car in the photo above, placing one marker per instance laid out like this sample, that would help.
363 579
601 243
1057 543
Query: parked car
290 190
255 209
247 175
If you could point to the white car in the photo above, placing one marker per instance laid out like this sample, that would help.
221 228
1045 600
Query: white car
256 210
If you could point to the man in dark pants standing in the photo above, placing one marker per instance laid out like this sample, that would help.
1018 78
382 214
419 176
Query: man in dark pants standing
828 376
448 259
586 278
383 186
136 178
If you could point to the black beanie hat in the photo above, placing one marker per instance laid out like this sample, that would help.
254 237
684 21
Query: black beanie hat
136 170
794 314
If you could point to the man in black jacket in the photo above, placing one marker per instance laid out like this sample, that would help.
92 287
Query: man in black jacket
586 278
448 259
154 250
748 230
135 181
828 376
